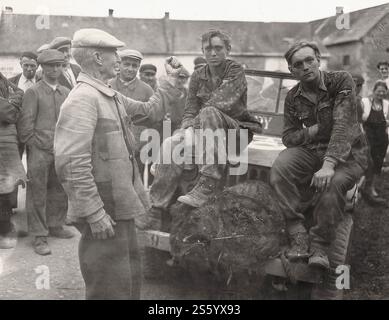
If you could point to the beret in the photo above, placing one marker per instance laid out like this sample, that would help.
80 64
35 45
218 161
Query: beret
129 53
30 55
51 56
147 68
95 38
59 42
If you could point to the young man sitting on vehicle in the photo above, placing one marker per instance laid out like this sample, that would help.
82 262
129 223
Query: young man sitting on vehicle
217 99
326 152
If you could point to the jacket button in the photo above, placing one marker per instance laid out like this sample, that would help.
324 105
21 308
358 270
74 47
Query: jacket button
131 157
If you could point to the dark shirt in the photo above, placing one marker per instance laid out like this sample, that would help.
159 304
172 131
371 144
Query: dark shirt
334 111
376 117
229 95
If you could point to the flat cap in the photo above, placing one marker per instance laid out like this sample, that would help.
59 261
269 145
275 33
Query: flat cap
129 53
60 42
148 68
95 38
43 47
51 56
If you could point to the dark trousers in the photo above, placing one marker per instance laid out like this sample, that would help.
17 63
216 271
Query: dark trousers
167 176
46 201
5 213
111 268
378 142
291 176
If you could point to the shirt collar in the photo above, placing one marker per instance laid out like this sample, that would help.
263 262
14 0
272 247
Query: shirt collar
205 73
24 79
95 83
322 86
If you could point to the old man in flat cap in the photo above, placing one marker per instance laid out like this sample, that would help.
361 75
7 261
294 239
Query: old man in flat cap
70 71
95 162
46 201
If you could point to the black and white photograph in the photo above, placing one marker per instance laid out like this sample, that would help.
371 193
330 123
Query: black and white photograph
204 151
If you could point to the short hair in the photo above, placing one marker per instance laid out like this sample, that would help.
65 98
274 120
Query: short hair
358 79
206 37
299 45
29 55
84 56
382 63
380 83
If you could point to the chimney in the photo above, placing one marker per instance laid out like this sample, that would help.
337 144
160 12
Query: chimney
339 10
8 10
167 16
110 13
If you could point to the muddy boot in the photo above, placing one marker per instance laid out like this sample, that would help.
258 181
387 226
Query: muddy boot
318 258
202 192
298 246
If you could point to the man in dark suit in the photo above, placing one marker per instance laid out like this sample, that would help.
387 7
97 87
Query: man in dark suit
70 72
29 64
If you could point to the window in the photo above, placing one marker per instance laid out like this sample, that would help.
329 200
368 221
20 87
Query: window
346 60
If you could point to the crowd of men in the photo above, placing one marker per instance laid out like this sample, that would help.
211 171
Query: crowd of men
80 126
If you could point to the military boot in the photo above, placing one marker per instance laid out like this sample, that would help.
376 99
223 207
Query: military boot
203 191
318 258
298 246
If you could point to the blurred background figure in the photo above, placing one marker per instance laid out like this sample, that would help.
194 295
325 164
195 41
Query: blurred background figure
70 71
29 64
147 74
383 68
199 62
375 122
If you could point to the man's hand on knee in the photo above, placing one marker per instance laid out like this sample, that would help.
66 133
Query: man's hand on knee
103 228
321 179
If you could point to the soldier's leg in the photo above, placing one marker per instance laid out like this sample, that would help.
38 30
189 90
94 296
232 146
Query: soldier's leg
167 175
329 210
212 151
290 175
6 226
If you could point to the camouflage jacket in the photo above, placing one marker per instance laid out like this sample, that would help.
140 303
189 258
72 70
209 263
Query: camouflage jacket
229 95
335 112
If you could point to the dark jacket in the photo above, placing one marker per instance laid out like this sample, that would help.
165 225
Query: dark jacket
41 106
335 112
9 111
15 79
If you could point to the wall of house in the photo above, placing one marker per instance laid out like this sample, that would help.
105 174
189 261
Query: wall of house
364 55
376 43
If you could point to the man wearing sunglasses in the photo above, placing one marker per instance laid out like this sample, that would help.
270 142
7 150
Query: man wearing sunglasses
326 152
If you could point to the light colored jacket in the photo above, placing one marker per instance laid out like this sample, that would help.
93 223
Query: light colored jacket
366 103
96 169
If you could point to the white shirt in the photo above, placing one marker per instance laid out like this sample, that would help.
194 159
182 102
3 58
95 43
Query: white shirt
25 83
